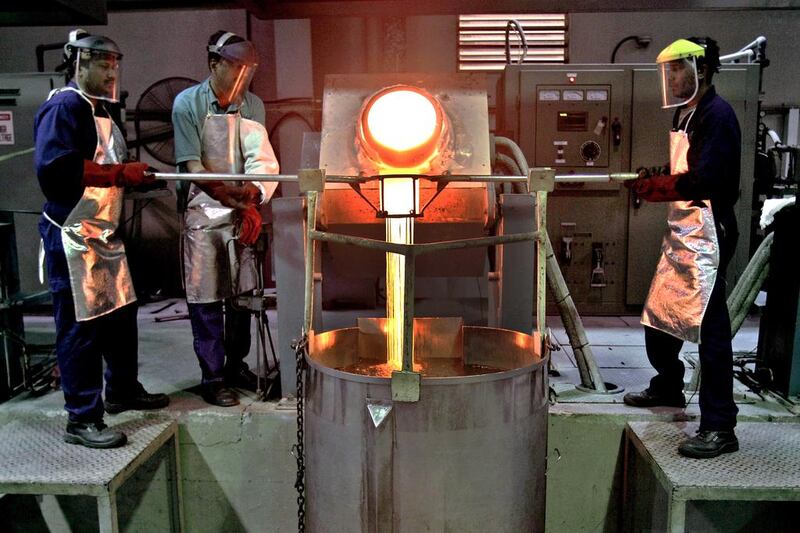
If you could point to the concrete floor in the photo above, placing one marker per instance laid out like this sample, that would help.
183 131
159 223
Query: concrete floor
167 362
238 473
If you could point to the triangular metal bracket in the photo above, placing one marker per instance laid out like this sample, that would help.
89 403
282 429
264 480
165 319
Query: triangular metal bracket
379 410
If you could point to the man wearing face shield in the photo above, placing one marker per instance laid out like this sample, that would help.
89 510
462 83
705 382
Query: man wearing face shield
81 164
687 300
219 128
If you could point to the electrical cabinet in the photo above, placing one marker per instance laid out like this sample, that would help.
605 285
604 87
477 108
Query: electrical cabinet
584 119
21 94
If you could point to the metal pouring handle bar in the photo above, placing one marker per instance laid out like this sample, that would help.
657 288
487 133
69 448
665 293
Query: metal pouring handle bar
564 178
209 176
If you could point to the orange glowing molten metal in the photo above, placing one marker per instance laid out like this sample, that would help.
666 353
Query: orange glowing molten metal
398 196
400 129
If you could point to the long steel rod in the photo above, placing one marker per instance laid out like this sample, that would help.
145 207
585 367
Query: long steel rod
408 313
564 178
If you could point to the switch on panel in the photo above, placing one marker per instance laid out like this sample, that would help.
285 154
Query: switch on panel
598 278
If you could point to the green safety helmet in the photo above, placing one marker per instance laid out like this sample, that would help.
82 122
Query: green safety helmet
680 49
677 67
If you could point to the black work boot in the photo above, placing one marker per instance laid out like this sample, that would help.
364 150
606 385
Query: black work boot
242 378
708 444
216 393
140 400
94 435
647 398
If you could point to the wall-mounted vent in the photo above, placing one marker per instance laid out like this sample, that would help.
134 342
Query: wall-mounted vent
482 40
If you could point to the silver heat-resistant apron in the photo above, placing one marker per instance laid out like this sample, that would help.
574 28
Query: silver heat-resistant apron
215 265
687 270
98 268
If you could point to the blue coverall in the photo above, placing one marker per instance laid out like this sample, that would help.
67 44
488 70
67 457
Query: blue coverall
65 135
714 160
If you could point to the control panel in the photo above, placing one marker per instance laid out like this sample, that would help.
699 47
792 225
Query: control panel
572 125
598 119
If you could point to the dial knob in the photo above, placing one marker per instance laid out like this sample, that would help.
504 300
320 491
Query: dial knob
590 151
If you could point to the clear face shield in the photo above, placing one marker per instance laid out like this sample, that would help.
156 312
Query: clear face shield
679 82
98 74
234 81
235 71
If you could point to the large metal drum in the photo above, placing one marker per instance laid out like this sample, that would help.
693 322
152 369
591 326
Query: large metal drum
468 456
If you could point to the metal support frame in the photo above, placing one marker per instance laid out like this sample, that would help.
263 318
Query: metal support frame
540 182
766 470
288 236
515 274
406 382
61 469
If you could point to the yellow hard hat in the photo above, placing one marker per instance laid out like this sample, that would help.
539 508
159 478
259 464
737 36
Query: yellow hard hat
680 49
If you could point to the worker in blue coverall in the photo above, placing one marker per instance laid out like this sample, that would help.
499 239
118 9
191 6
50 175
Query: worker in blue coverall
80 162
687 300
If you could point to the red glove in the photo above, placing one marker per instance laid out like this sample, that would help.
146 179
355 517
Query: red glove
250 194
115 175
229 195
251 225
655 188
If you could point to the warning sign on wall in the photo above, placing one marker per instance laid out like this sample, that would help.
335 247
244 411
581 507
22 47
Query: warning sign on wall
6 127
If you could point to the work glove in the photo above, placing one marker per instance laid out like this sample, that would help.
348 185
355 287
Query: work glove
150 184
116 175
230 195
251 225
654 188
250 194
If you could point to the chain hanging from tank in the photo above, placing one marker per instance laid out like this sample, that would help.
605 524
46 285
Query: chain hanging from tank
300 348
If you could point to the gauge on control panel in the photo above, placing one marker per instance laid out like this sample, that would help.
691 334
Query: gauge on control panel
572 95
549 95
597 95
590 151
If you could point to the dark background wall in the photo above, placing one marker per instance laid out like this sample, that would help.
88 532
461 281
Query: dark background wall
296 54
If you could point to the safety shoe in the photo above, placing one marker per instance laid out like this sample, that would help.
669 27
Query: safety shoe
242 378
216 393
93 435
141 400
646 398
707 444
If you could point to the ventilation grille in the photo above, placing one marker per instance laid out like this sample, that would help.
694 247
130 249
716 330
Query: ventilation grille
481 40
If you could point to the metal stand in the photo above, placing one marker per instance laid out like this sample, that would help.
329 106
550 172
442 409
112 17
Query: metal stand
267 368
36 461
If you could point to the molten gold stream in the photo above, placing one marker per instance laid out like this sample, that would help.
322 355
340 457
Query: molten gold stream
398 197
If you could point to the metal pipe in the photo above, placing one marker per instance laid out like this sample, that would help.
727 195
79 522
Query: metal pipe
576 333
737 56
421 248
595 178
424 248
213 176
749 284
541 261
516 152
509 163
408 314
565 178
311 223
372 244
